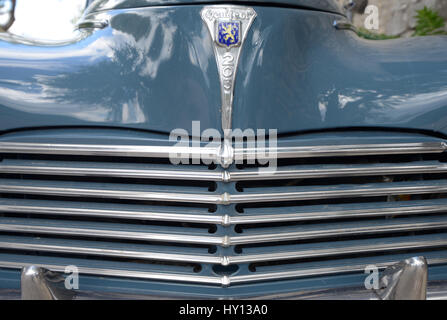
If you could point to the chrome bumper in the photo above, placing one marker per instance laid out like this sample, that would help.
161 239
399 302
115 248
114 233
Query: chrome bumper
435 291
406 280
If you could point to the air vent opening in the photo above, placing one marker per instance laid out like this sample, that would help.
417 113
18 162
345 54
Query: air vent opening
225 270
212 249
212 229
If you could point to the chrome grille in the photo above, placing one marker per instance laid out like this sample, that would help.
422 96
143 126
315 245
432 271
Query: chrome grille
123 210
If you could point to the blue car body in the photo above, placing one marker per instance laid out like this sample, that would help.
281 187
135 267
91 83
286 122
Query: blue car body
152 69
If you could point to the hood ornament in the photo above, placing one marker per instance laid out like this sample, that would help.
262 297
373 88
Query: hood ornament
228 26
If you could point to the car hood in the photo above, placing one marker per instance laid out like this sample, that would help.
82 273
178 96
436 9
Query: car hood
153 68
323 5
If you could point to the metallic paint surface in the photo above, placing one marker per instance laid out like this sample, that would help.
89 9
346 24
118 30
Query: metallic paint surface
324 5
296 73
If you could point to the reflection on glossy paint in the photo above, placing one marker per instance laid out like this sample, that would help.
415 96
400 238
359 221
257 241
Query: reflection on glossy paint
398 108
200 58
255 55
147 48
154 68
323 109
343 100
48 19
114 76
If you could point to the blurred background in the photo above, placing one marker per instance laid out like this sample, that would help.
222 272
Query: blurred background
401 17
41 19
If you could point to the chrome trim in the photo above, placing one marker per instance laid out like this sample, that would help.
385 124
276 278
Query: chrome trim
406 280
107 213
105 252
341 150
226 154
112 234
222 260
359 191
436 290
120 273
115 194
316 272
327 252
225 220
227 57
152 151
42 284
77 36
225 176
328 172
96 24
339 214
255 277
226 198
203 175
224 241
315 234
344 25
215 153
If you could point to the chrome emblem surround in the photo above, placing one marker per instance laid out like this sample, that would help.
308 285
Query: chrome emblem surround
228 26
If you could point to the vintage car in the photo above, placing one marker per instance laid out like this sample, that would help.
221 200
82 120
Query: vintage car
222 149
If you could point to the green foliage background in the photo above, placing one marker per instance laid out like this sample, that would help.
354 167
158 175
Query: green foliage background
428 22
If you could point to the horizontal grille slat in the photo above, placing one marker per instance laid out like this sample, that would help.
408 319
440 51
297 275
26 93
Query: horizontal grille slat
107 252
375 209
334 171
320 271
114 173
344 191
352 229
341 248
114 272
107 231
302 172
124 212
397 188
35 207
101 192
340 150
166 151
151 151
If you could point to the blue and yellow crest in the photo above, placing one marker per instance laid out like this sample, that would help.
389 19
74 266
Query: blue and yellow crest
228 33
